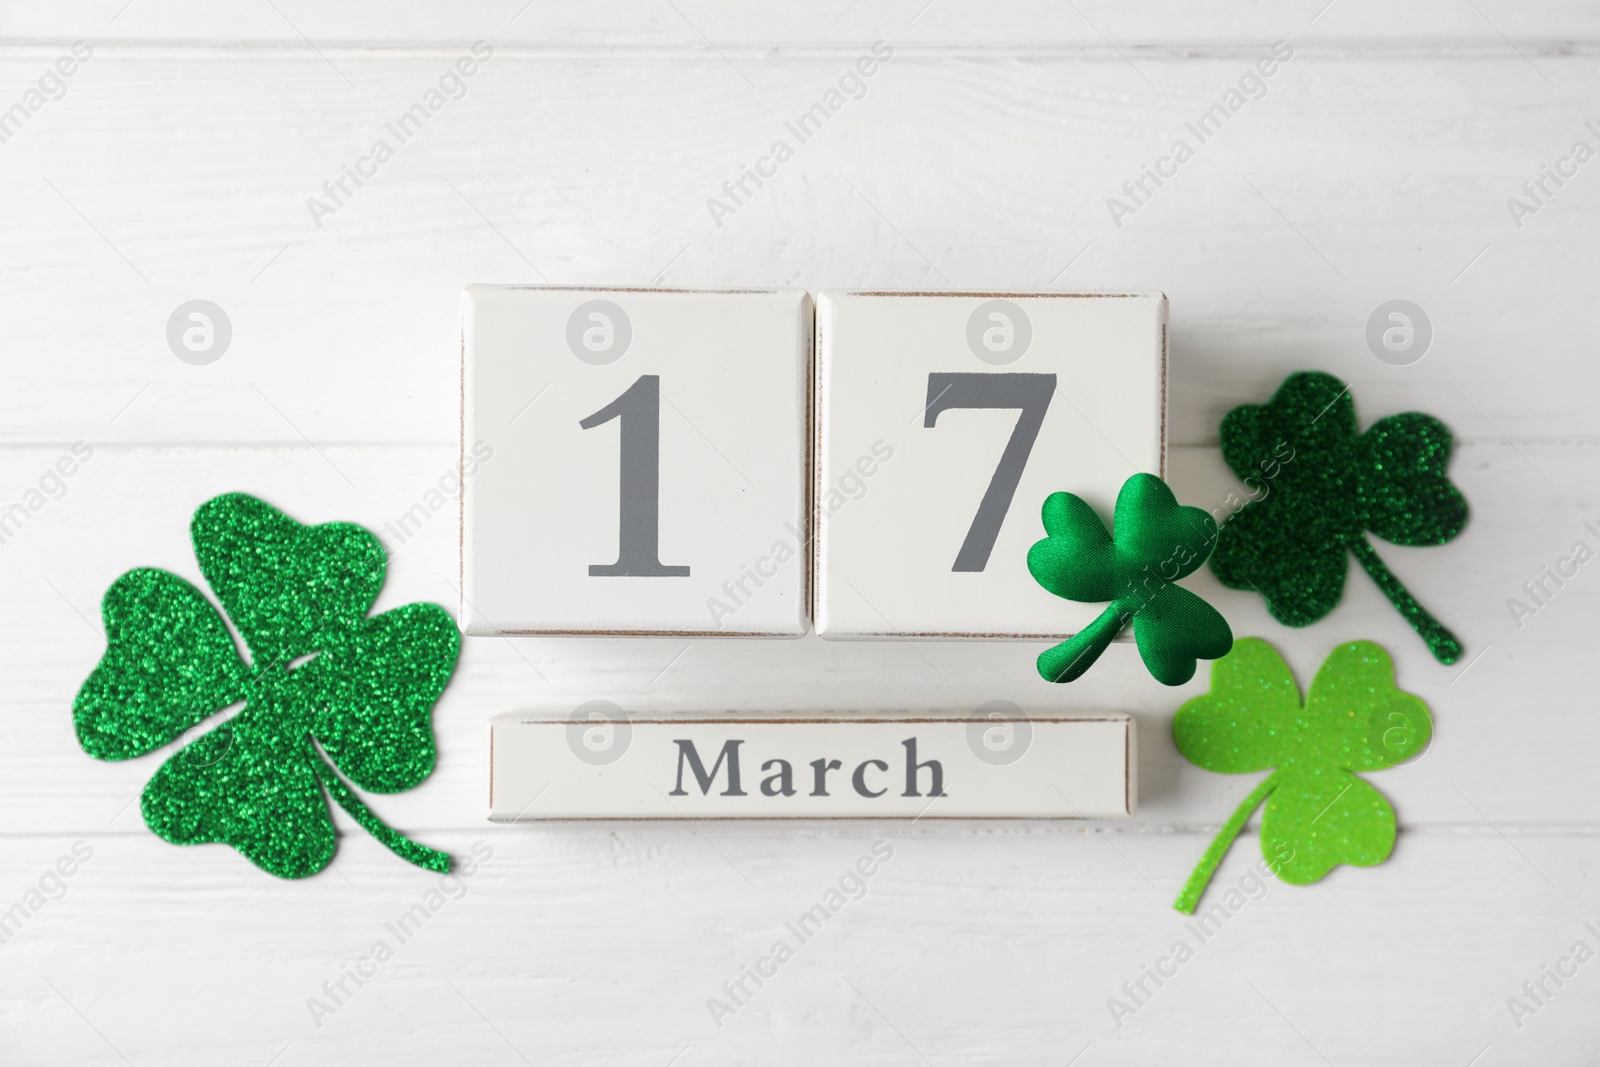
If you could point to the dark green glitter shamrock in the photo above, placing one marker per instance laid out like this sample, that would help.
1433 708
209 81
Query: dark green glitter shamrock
327 686
1320 812
1156 543
1290 545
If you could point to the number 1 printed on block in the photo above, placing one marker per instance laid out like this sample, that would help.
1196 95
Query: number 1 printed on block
638 413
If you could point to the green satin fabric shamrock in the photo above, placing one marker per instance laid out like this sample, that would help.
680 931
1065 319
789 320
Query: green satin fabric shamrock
1156 543
1320 813
1290 545
326 686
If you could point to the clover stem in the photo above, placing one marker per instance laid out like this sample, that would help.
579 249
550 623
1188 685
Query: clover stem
1077 653
1190 897
396 842
1440 641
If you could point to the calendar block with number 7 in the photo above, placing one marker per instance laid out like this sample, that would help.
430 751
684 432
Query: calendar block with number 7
646 461
945 420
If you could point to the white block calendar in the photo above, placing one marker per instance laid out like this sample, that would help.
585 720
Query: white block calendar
944 421
649 451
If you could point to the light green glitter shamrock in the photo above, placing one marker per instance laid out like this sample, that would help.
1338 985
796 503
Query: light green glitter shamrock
1320 813
327 686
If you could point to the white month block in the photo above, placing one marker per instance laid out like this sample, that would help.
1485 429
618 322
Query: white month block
634 461
944 421
601 763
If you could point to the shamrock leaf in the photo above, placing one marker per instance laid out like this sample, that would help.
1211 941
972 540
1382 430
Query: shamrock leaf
1326 486
327 686
1320 813
1156 543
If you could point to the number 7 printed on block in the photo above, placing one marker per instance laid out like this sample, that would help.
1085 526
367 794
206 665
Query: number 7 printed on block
1030 394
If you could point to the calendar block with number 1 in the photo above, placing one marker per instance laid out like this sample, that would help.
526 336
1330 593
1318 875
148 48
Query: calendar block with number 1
648 461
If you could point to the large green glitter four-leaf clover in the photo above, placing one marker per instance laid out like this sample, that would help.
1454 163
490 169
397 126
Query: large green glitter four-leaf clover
326 686
1290 545
1156 543
1320 813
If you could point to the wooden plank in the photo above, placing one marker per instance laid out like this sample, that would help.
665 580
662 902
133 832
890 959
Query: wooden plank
1254 238
728 24
1040 927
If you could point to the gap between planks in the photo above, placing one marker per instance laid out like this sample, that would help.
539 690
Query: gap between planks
1486 48
844 828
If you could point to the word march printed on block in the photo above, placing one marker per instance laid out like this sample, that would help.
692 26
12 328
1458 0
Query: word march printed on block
600 763
651 453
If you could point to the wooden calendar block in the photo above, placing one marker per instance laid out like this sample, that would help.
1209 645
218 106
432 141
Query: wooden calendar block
641 460
600 763
945 420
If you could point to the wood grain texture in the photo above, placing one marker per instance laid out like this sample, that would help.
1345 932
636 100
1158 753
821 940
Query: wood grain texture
579 945
1340 189
1377 165
708 25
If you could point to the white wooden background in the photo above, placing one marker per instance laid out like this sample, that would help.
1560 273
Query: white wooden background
177 166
